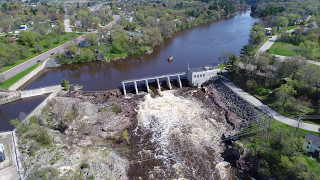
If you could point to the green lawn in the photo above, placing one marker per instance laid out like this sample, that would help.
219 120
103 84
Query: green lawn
32 53
284 49
111 56
286 28
9 82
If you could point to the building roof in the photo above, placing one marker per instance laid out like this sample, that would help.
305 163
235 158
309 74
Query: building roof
315 140
100 57
84 43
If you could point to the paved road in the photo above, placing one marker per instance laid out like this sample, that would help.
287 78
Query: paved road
25 65
255 102
267 45
67 26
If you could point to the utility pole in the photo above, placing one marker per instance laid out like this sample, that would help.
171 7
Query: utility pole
298 126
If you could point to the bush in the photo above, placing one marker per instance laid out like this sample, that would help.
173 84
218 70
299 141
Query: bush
33 148
43 137
116 109
15 122
125 134
65 84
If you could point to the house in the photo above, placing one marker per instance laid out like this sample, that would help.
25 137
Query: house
128 17
197 76
84 43
313 143
100 57
268 31
23 27
132 34
2 155
78 24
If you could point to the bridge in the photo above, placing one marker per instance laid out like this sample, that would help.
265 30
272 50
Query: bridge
156 78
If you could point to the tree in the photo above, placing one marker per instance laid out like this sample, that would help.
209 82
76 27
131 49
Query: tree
2 78
282 21
29 38
65 84
120 43
86 54
92 38
71 49
39 48
48 42
262 61
285 92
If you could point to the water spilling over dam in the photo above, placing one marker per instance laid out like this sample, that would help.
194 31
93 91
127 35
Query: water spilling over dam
177 137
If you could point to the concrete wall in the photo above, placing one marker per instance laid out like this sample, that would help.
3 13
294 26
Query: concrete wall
38 91
37 110
26 78
197 78
9 97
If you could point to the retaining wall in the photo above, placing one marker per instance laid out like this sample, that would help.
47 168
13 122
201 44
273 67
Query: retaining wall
26 78
38 109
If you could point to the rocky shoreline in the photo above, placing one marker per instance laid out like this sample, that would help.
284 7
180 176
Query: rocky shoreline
95 135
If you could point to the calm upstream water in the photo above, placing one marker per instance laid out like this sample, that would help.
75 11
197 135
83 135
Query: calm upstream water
197 46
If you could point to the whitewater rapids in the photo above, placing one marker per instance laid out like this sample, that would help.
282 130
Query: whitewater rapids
186 138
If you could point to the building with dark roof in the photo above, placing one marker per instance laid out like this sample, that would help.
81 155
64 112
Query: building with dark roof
313 142
84 43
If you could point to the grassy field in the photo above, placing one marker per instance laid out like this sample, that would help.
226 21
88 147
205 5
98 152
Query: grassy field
284 49
32 53
9 82
111 56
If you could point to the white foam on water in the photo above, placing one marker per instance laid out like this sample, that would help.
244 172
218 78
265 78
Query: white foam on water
181 125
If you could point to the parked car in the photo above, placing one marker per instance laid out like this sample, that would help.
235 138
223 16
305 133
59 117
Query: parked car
39 61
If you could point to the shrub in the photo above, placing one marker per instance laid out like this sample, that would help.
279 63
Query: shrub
65 84
33 148
116 109
84 164
15 122
125 134
43 137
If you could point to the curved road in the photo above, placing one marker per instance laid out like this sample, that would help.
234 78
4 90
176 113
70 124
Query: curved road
25 65
266 109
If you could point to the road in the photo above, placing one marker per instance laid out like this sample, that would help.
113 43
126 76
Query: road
67 25
257 103
267 45
25 65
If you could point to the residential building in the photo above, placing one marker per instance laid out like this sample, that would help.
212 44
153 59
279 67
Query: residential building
313 143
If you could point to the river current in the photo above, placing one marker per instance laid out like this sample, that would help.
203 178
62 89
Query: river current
198 46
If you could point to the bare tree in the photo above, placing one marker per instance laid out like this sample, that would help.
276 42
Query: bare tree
2 78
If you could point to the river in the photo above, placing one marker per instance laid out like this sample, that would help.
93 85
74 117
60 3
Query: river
198 46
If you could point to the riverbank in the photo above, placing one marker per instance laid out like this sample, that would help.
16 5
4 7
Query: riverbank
117 131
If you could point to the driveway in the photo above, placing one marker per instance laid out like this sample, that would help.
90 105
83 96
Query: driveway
267 45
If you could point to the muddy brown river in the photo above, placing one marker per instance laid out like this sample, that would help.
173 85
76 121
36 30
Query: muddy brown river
198 46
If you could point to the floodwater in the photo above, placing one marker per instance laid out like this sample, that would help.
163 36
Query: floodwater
198 46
